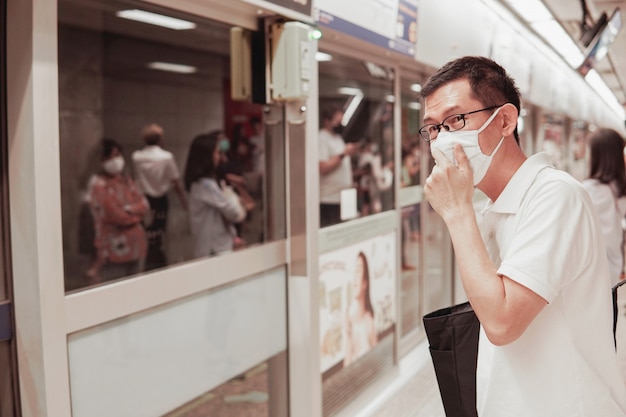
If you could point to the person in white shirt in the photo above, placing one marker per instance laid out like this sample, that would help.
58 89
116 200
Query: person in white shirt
214 206
335 166
157 173
532 262
607 187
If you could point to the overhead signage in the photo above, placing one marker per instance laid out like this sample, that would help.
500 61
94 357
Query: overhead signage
391 24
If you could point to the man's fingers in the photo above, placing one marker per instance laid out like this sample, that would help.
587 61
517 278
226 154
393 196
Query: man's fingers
461 159
439 157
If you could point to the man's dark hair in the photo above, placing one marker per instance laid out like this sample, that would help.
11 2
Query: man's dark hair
489 82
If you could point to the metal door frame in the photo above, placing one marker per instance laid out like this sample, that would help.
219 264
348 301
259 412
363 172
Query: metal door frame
6 306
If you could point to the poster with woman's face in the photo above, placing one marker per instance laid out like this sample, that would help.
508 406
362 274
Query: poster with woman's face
357 299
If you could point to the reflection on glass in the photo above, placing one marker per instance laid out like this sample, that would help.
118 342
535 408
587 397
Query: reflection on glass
411 198
247 394
117 210
110 87
218 199
438 257
157 173
356 149
410 302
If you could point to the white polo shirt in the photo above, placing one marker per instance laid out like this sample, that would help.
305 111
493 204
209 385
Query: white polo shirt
331 184
156 169
543 233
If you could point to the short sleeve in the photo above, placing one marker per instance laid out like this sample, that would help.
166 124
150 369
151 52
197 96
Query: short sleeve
551 239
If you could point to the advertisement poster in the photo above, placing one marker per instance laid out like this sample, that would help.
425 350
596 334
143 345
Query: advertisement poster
357 299
388 23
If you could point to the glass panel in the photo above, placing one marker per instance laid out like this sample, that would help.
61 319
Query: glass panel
438 256
159 165
175 355
411 197
358 316
356 148
247 394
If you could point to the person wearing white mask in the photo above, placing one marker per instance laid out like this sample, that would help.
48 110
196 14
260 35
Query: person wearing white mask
118 208
531 262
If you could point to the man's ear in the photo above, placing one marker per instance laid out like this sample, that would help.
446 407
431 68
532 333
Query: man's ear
509 119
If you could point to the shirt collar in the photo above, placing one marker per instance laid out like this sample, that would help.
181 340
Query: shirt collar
511 197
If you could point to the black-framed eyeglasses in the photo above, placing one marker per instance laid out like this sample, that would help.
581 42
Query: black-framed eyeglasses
451 123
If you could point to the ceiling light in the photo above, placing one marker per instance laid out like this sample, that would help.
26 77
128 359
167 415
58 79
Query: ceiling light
167 66
553 33
350 91
598 84
531 10
417 88
351 109
156 19
323 57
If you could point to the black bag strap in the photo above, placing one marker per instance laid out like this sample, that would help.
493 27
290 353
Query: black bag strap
614 291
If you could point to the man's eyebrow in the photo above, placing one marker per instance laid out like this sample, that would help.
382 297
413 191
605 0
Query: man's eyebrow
449 112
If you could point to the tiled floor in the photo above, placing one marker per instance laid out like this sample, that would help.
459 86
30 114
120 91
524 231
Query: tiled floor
419 397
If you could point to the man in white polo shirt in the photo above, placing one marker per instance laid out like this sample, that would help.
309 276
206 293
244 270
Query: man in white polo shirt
335 166
535 269
157 173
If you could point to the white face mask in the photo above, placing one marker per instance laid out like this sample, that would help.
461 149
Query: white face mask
468 139
114 166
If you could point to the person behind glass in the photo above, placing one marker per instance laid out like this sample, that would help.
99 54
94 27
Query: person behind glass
231 169
257 140
214 207
157 173
532 262
607 187
361 333
335 166
118 208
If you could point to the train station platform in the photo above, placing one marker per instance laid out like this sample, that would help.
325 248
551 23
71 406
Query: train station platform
416 394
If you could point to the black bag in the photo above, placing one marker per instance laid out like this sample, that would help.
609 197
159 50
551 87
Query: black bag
616 309
453 338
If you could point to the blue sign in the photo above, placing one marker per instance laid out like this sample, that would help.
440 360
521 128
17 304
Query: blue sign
391 24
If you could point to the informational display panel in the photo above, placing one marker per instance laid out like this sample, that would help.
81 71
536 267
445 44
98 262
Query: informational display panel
357 299
388 23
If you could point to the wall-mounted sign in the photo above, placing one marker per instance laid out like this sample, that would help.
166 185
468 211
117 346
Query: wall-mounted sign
388 23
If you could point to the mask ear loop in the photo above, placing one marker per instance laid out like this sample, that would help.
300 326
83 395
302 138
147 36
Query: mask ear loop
489 120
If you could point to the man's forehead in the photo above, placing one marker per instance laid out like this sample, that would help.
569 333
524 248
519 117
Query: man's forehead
448 99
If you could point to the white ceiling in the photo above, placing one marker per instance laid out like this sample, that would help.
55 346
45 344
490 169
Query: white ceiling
613 67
